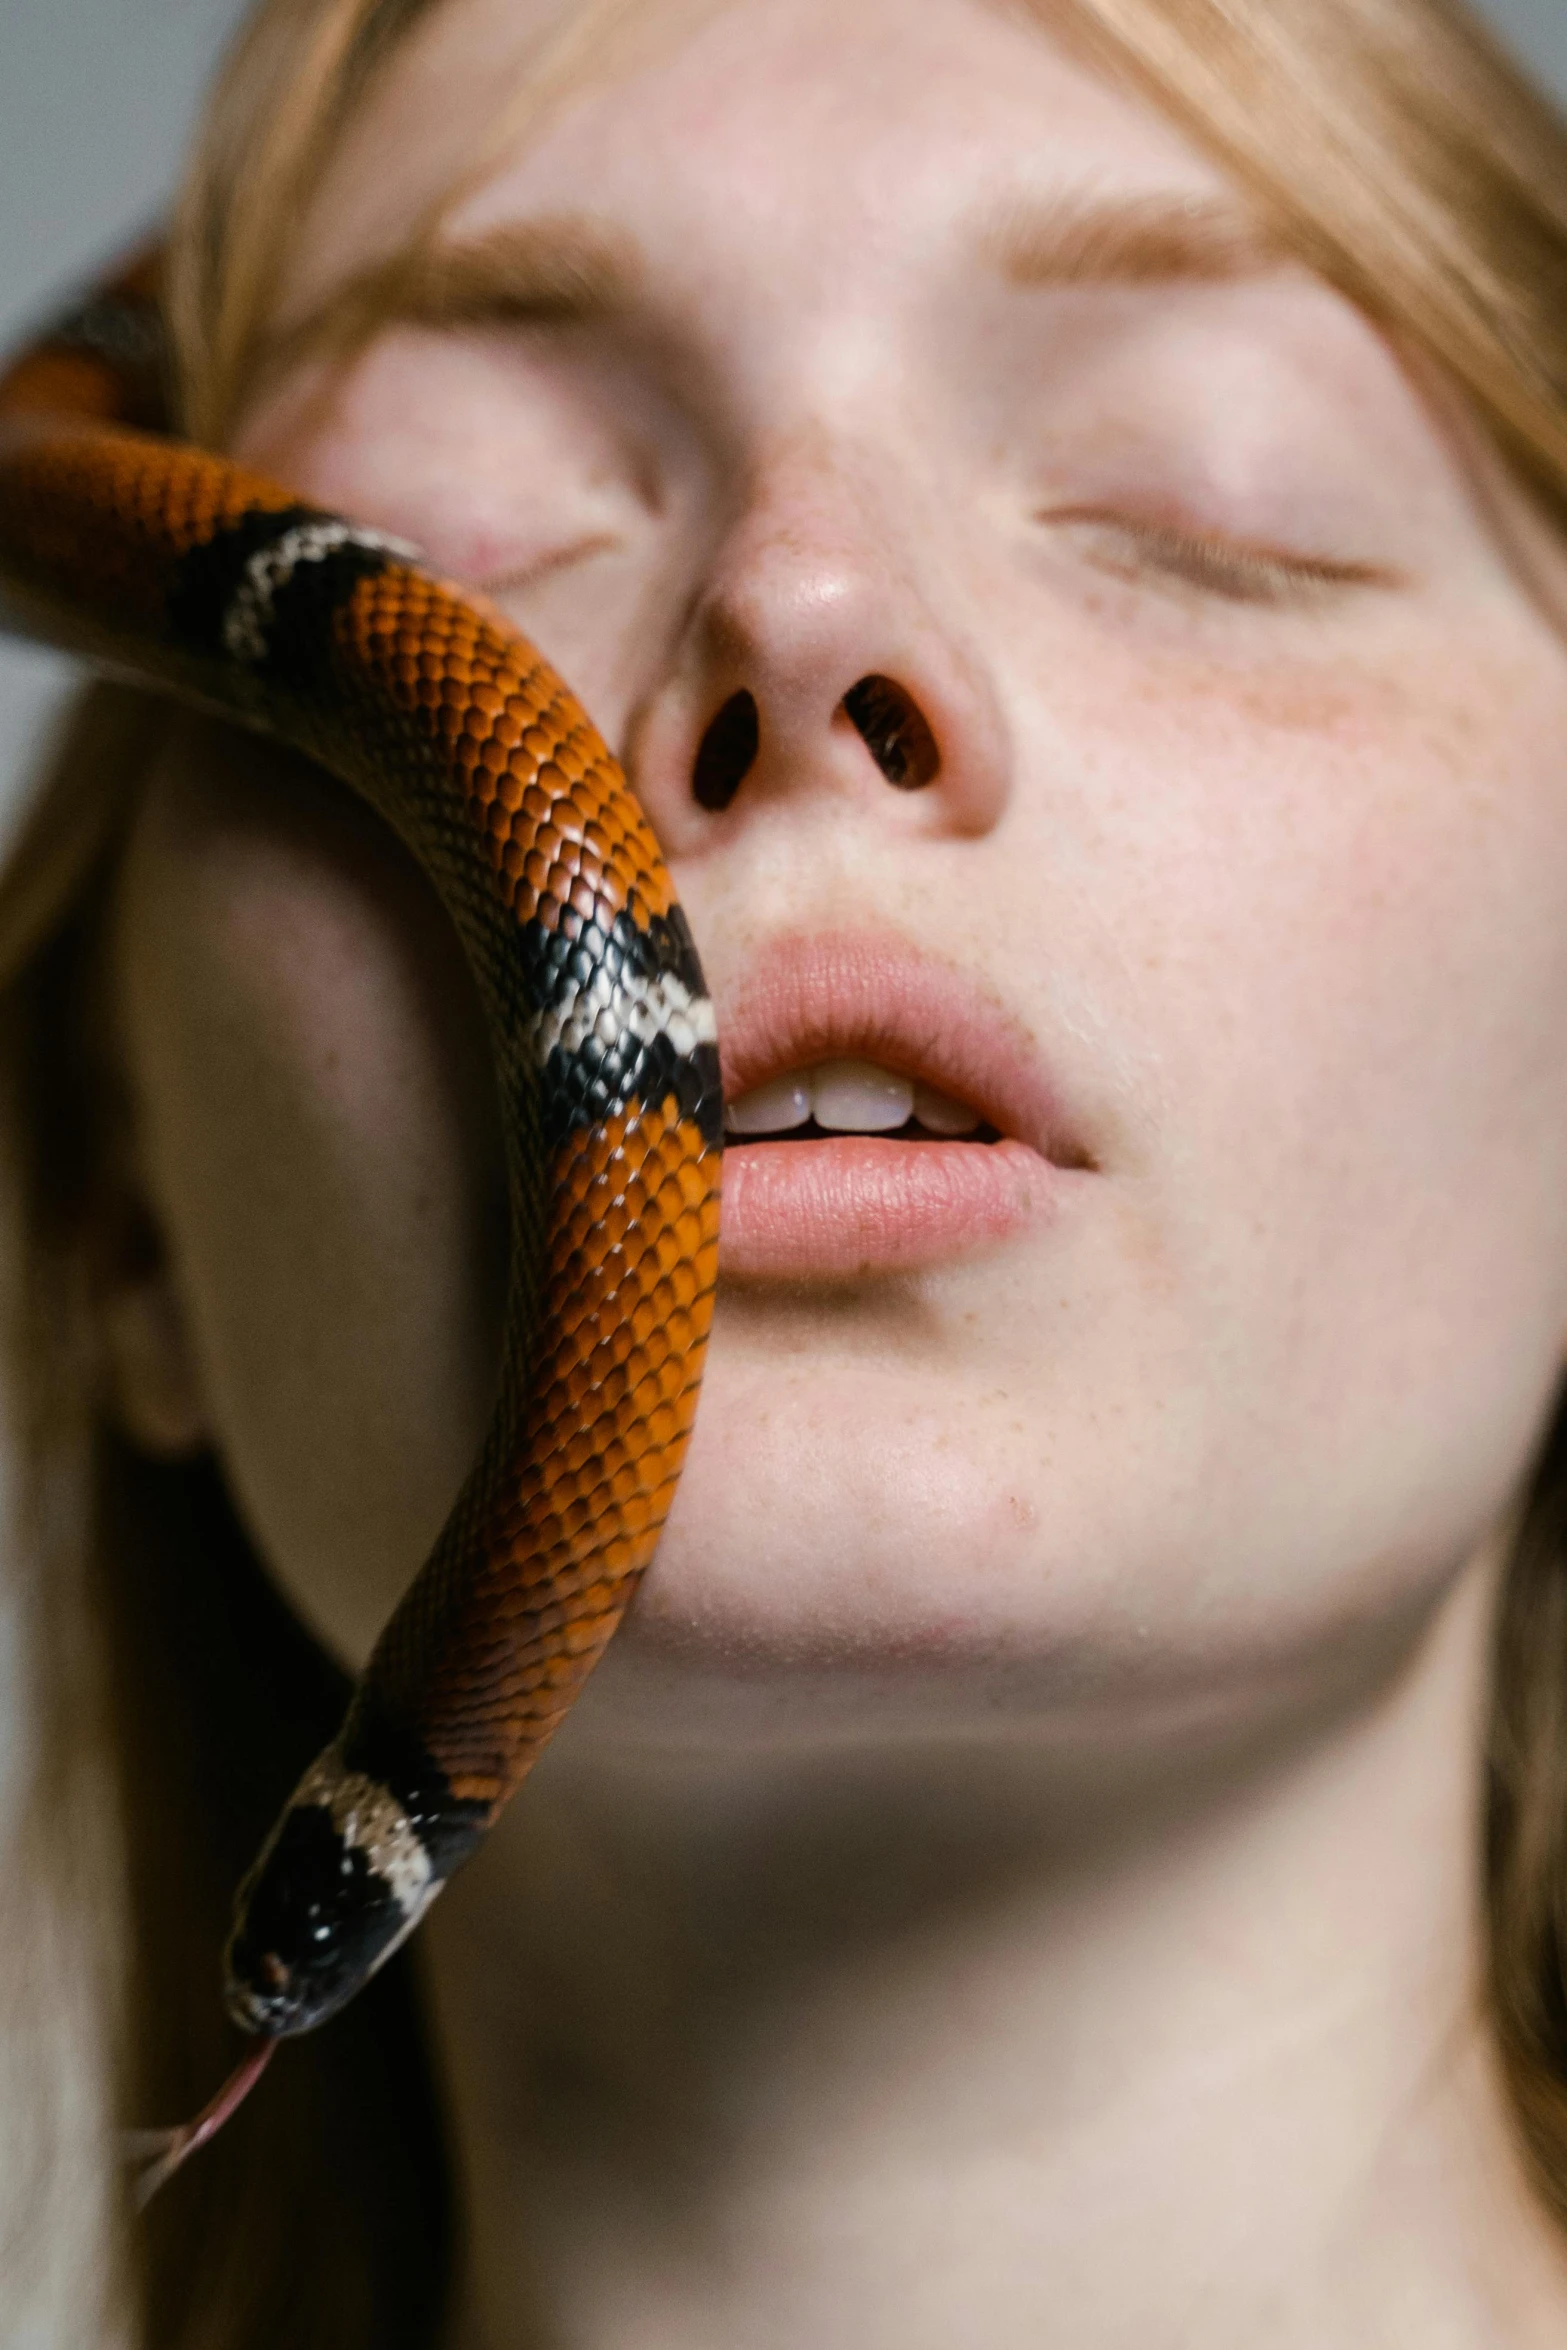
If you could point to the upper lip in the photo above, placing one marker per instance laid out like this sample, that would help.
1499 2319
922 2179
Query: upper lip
807 997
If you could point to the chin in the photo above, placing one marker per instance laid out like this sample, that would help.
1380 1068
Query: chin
855 1560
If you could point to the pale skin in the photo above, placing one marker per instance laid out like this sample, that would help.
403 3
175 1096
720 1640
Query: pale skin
1015 1879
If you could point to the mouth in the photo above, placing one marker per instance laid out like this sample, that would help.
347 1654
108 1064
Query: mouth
884 1115
839 1097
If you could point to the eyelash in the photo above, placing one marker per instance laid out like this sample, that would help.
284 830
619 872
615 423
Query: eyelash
527 575
1228 569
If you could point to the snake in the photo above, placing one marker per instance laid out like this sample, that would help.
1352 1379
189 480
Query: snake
170 565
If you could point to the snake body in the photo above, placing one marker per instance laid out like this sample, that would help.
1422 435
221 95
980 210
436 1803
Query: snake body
200 579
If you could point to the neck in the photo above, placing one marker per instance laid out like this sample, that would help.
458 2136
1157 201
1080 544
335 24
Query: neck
919 2049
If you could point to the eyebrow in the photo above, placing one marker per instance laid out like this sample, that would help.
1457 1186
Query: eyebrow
565 268
558 270
1085 239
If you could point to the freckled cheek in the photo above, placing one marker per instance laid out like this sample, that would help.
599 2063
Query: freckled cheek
1412 909
1315 901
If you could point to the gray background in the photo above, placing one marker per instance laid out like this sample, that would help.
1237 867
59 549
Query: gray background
96 97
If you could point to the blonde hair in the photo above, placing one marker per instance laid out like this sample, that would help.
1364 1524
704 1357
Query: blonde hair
1400 154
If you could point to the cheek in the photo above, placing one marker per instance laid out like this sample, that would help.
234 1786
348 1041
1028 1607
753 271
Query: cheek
1338 911
318 1129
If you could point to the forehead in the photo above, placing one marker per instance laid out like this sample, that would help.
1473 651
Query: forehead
882 119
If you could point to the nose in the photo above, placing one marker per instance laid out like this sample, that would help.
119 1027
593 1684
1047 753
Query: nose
825 653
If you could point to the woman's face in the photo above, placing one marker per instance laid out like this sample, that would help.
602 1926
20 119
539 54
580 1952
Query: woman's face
811 344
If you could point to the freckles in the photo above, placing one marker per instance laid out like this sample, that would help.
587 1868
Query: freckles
1459 802
1400 791
1222 741
1323 893
1340 702
1287 703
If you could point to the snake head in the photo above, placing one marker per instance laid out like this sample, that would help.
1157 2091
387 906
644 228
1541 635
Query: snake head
345 1875
314 1919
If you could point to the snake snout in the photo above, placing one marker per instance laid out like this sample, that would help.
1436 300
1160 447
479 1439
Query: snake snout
315 1917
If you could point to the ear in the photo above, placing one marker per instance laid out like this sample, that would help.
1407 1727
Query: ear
151 1371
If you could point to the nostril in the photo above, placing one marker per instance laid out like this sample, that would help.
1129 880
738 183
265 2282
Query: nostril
894 731
726 752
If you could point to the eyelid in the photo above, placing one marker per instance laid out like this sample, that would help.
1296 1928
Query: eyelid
1220 547
527 575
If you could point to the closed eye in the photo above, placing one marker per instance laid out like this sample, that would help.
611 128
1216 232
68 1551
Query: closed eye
522 576
1236 571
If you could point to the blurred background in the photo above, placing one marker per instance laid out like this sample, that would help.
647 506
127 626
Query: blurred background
96 97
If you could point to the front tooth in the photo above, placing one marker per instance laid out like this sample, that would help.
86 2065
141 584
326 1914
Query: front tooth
774 1108
855 1097
938 1113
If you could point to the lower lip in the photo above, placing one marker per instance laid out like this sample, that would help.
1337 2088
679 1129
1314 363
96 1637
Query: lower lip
857 1206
